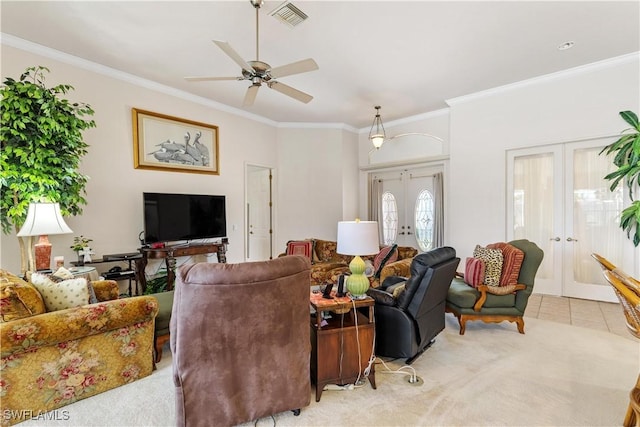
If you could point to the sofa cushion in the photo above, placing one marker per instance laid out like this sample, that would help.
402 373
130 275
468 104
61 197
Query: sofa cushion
474 272
493 261
324 250
301 247
62 295
18 299
512 262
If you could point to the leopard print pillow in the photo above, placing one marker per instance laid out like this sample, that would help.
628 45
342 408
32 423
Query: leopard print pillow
492 264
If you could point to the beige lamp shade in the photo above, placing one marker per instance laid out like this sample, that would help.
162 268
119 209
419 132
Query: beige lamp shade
44 218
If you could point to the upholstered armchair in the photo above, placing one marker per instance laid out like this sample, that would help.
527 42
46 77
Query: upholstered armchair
409 312
497 303
240 339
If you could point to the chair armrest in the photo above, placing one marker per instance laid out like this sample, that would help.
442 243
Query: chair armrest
382 297
495 290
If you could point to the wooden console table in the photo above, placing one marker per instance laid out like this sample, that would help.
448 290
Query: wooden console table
170 253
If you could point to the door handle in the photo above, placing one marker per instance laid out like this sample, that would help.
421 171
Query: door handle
555 239
409 233
569 239
401 233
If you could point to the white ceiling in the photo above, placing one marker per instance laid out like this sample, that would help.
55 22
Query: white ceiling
409 57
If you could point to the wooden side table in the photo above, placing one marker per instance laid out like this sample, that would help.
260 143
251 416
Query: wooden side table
341 345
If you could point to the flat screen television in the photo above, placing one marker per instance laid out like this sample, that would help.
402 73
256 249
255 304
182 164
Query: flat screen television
171 217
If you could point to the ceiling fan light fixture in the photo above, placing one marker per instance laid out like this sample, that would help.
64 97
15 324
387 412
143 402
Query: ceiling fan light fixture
377 134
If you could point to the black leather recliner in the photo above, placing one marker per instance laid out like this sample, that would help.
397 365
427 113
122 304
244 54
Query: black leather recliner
409 312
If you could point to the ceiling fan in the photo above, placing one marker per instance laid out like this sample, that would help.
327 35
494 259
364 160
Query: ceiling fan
259 72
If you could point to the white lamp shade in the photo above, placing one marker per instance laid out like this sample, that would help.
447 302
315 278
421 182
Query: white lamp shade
358 238
44 219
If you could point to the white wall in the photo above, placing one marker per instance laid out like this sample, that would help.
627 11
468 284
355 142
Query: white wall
113 214
317 178
575 104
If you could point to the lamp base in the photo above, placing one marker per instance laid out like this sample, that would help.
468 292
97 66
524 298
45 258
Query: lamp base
357 282
42 251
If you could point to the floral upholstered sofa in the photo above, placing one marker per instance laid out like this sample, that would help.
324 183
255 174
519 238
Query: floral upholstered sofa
51 359
327 264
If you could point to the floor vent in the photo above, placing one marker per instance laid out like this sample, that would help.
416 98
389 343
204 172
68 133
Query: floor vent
289 14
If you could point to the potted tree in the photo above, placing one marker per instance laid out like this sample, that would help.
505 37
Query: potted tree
627 160
42 144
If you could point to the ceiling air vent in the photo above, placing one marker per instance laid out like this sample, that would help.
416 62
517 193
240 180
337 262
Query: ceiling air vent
289 14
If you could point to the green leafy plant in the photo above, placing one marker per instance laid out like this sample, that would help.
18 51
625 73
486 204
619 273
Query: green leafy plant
157 284
79 243
627 160
42 145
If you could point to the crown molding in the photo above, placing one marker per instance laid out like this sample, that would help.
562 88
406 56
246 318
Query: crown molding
302 125
410 119
606 63
18 43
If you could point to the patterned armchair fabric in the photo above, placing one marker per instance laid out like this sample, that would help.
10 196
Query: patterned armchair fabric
52 359
327 265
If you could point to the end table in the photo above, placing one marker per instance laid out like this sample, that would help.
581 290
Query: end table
336 357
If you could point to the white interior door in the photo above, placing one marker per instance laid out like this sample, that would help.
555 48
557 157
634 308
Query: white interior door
557 197
258 213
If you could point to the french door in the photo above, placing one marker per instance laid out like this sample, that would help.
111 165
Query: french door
557 197
407 214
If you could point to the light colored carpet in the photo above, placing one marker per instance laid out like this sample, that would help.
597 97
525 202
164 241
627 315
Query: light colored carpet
554 375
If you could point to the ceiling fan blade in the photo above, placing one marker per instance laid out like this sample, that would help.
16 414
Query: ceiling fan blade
289 91
250 96
208 79
294 68
226 48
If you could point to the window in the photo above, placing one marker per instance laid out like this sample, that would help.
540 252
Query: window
424 220
389 218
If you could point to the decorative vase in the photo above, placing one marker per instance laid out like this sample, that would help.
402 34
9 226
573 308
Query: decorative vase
80 259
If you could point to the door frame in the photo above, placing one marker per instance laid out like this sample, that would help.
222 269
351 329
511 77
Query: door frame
557 285
272 211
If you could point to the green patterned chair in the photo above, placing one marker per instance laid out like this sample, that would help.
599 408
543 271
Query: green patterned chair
496 303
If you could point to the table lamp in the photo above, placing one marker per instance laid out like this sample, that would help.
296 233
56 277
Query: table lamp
358 238
43 219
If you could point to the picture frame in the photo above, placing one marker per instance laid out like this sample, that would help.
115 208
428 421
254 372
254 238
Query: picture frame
167 143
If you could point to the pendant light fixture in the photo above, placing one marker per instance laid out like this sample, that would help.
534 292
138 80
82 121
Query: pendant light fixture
376 134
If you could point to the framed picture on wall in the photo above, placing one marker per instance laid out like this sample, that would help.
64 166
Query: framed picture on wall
162 142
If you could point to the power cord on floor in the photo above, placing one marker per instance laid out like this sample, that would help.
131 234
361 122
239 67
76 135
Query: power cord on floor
413 377
255 423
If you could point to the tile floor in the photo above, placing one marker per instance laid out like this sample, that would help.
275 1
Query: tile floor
604 316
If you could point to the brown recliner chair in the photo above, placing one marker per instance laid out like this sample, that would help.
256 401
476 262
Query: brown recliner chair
240 341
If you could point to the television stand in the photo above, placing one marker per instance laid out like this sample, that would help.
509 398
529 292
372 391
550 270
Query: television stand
170 253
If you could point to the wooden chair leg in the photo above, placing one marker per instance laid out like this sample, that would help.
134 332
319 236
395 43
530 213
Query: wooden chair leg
158 344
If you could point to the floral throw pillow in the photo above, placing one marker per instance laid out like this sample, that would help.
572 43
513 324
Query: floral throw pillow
62 295
492 264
